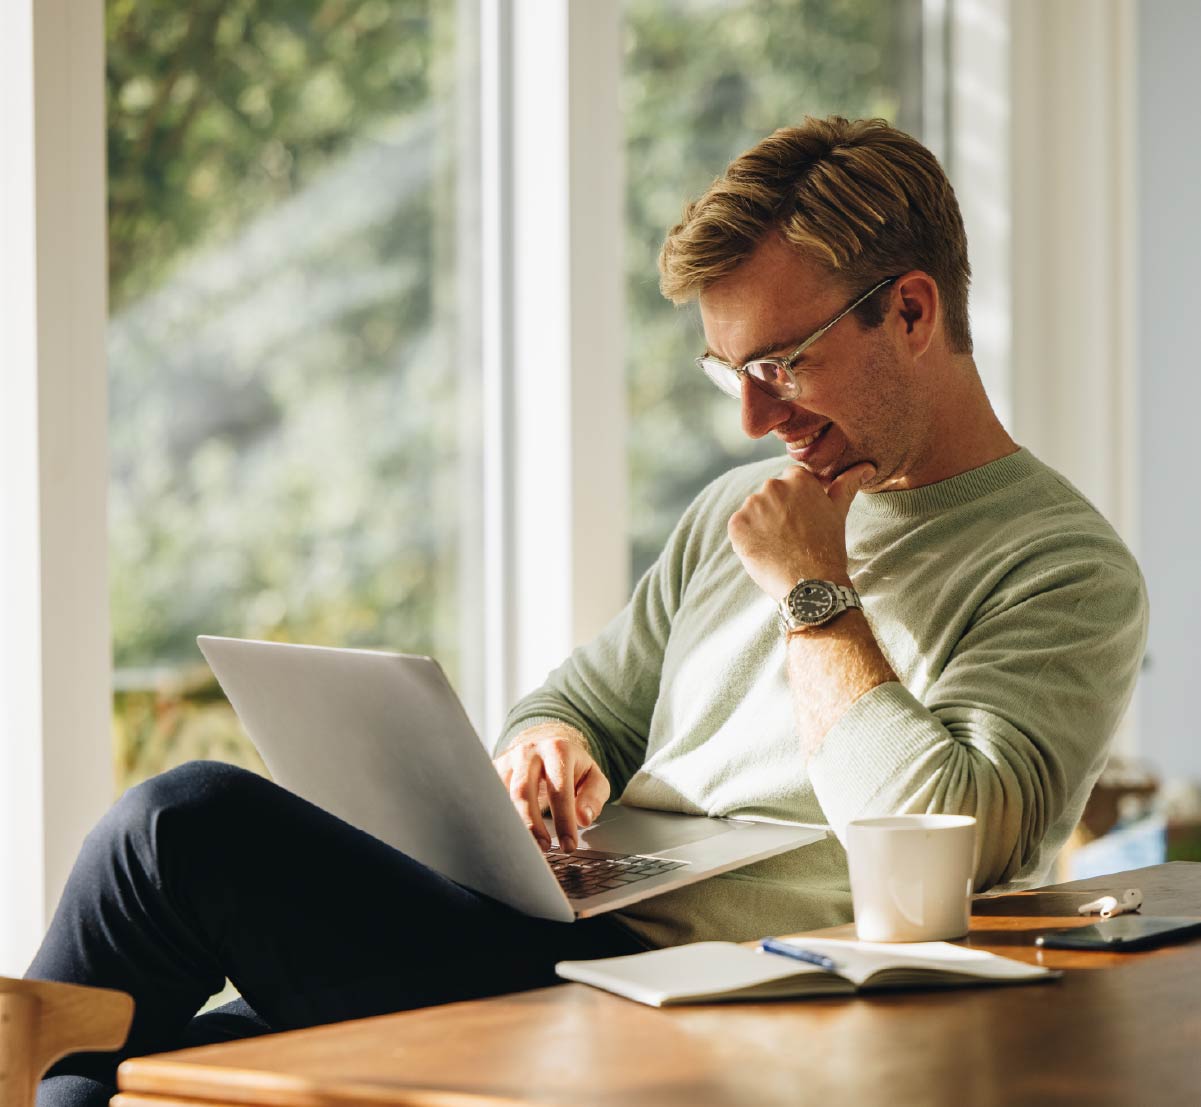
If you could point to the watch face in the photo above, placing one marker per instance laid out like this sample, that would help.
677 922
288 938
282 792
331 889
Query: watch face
811 600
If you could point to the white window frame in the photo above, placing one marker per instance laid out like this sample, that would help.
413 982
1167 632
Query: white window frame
1042 155
973 110
1041 106
556 550
56 761
1074 256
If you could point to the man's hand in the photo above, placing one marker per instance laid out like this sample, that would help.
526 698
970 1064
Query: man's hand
793 528
549 767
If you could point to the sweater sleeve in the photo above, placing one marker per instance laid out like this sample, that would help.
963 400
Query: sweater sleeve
1015 728
607 689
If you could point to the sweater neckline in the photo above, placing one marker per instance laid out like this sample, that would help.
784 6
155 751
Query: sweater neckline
953 492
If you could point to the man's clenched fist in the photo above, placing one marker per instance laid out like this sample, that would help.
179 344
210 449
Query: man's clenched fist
794 528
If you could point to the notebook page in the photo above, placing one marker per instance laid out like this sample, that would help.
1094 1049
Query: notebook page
683 972
857 961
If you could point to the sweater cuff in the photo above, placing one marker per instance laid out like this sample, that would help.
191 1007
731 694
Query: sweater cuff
526 722
860 768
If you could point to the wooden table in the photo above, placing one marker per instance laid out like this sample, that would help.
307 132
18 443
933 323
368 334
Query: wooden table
1116 1029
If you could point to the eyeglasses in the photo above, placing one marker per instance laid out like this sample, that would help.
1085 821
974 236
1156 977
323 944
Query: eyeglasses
774 375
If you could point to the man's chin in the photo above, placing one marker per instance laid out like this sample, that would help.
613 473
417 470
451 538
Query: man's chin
826 474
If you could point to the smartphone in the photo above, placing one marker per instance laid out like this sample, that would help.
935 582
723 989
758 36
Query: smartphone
1122 933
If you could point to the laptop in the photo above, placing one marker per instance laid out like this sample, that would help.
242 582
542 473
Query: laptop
381 741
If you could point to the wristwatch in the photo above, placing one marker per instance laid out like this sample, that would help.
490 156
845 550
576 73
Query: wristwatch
812 603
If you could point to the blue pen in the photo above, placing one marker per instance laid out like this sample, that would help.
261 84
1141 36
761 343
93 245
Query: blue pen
787 949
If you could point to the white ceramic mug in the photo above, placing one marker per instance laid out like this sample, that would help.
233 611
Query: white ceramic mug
911 876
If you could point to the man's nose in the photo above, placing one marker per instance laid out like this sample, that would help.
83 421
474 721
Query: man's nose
761 413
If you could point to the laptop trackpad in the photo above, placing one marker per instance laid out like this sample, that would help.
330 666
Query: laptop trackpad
636 830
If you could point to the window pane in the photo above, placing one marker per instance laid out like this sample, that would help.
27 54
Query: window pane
703 81
291 415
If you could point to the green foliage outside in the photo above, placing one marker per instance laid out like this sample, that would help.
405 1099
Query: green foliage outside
294 425
286 444
219 108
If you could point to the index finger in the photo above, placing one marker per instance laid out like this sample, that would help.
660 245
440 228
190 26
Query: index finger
523 791
560 790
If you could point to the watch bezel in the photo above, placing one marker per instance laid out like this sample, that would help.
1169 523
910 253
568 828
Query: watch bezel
843 598
796 597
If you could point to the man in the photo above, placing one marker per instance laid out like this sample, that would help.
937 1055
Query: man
961 633
1002 621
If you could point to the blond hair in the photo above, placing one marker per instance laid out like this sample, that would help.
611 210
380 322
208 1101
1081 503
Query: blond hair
859 197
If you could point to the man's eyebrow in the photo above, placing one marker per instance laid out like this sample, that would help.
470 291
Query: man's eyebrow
786 345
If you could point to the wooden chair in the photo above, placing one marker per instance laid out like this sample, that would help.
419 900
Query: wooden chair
41 1021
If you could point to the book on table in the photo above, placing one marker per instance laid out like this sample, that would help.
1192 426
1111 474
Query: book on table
714 972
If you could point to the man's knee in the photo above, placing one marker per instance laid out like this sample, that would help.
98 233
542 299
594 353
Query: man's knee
194 787
174 807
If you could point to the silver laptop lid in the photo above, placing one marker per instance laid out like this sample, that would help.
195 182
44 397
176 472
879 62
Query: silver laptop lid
382 741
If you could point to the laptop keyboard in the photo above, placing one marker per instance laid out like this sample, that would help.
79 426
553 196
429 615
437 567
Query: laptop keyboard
589 871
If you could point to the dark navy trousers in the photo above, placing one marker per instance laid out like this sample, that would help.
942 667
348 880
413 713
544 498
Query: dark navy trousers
209 871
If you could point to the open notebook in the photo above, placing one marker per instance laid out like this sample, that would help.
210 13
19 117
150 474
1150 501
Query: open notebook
711 972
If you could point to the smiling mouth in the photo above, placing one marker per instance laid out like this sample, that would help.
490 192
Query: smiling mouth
799 447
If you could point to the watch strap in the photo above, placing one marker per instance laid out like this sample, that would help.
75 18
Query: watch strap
849 596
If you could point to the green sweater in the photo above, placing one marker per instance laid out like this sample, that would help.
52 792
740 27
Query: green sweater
1013 615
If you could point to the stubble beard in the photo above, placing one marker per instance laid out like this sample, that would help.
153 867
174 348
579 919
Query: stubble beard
889 421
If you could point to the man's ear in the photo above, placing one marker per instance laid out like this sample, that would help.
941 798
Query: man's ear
919 309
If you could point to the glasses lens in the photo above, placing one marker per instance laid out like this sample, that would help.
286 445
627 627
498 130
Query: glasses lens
722 375
772 378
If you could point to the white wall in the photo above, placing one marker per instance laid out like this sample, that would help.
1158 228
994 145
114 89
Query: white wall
1168 304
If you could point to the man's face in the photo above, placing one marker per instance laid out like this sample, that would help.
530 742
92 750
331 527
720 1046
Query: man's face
859 397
